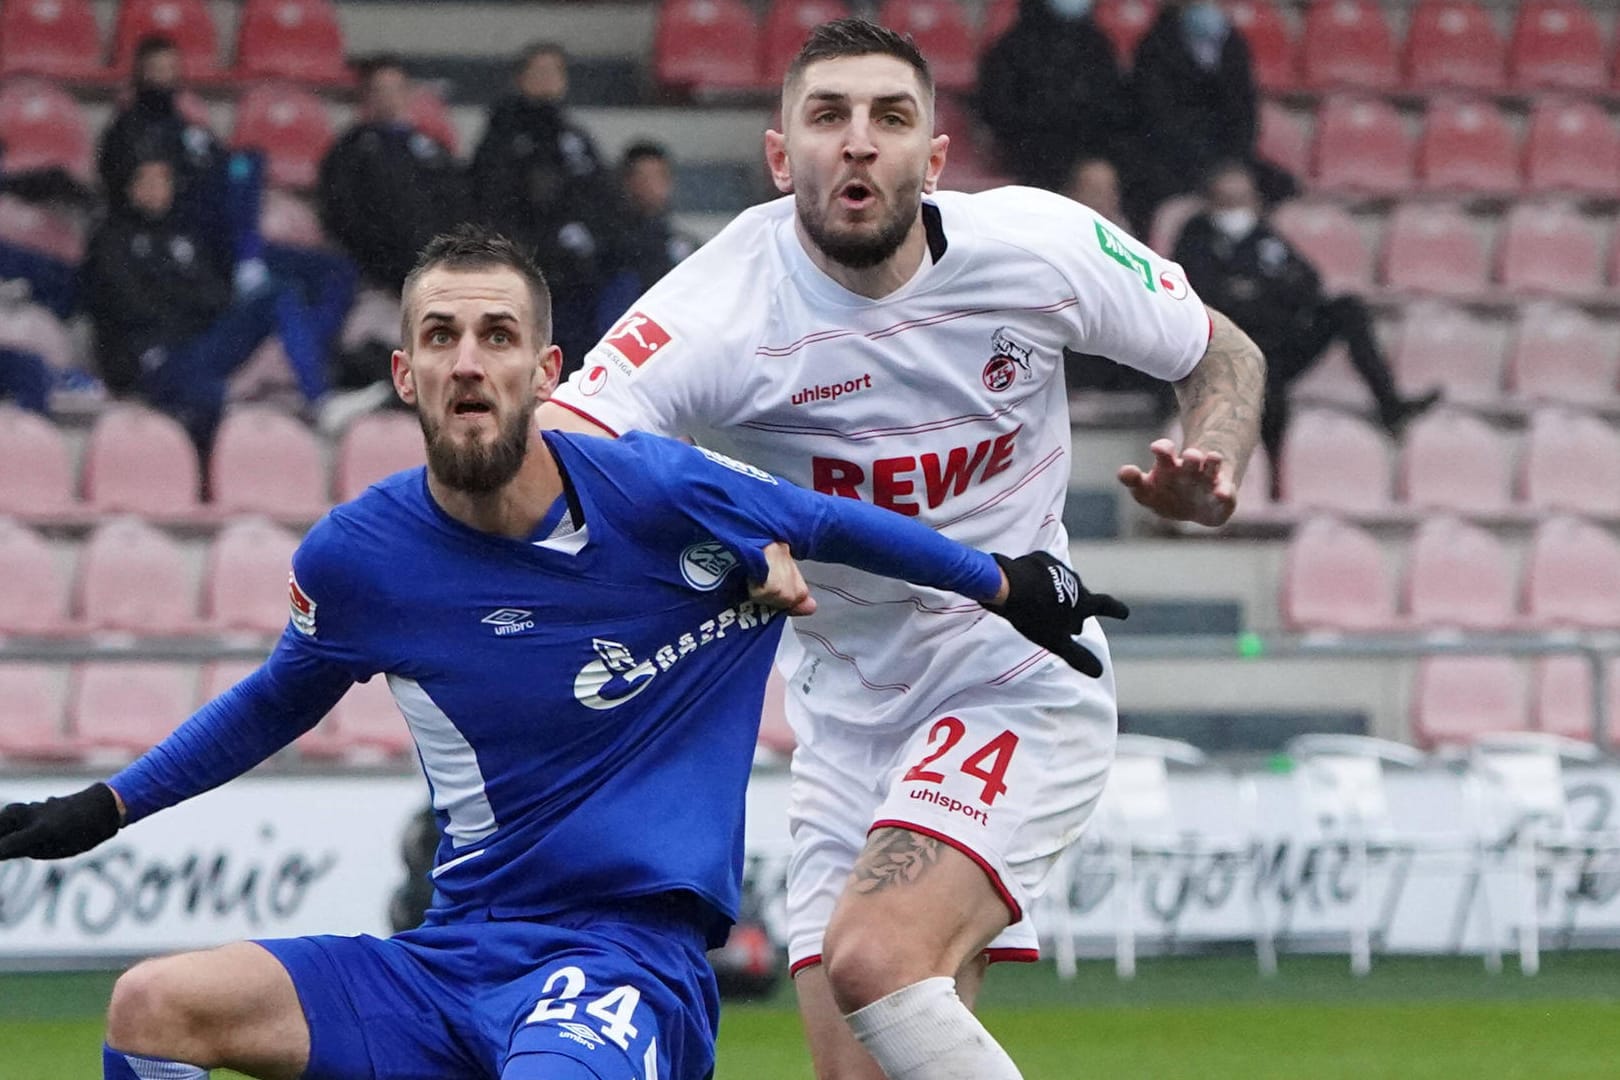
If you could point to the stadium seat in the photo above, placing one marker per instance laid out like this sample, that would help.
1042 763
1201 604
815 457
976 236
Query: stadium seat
1453 461
266 462
1434 250
140 461
1282 139
1467 148
1335 578
702 45
136 580
1457 699
1453 44
1571 462
38 478
1571 147
1348 44
1123 22
290 127
1459 576
1335 462
41 125
187 23
128 706
1448 347
374 447
1561 354
300 40
289 220
58 39
789 22
1572 576
1556 45
245 583
1328 236
41 228
1270 41
1361 148
428 114
34 599
1562 701
1169 219
33 710
1550 250
368 722
941 31
219 676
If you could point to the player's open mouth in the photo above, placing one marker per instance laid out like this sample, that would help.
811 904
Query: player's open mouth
856 196
471 408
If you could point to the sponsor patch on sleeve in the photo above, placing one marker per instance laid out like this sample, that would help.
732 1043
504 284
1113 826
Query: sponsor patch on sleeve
1115 249
637 338
303 608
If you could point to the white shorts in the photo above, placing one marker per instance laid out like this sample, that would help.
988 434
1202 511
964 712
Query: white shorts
1007 775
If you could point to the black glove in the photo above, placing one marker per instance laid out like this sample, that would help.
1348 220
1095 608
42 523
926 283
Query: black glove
1047 604
58 828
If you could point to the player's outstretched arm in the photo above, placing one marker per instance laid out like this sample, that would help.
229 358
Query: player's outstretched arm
1221 402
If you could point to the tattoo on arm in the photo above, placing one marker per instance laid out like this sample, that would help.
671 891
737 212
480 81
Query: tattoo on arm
1222 399
893 857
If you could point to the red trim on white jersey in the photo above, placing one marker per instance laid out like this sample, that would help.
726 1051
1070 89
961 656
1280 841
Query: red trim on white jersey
989 871
1019 668
1039 467
581 412
991 956
904 688
915 602
902 327
809 961
878 433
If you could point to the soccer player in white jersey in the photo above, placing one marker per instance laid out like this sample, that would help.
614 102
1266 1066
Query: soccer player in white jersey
873 339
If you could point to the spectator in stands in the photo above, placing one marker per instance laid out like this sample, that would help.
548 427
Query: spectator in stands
386 188
1244 268
647 243
537 178
1094 182
1051 92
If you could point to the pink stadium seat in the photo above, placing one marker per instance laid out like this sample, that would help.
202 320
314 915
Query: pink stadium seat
266 462
287 219
368 721
1562 697
1561 354
187 23
34 599
129 706
1550 251
1335 578
1572 147
140 461
245 585
374 447
1123 22
1459 576
1169 219
1572 576
134 579
220 675
775 734
786 26
291 127
1434 250
1454 461
1270 41
1348 44
1467 148
1336 462
1556 45
429 114
941 31
58 39
41 126
1282 139
1328 236
1459 698
1453 44
300 40
1447 347
1362 147
38 478
998 17
971 165
706 45
42 228
1571 462
33 711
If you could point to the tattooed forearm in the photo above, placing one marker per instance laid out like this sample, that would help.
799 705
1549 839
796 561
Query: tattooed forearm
1222 398
893 857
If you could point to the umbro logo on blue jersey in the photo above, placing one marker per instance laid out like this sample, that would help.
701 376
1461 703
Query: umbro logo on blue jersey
509 620
581 1034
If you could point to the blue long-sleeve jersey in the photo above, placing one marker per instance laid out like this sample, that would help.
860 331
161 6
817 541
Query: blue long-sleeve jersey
585 703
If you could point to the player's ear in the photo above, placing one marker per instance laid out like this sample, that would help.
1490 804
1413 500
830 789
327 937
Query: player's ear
404 382
548 373
776 157
938 146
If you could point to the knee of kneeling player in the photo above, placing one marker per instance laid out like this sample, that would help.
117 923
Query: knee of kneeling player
148 1015
864 964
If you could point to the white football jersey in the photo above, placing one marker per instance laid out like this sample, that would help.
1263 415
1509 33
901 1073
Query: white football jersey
944 401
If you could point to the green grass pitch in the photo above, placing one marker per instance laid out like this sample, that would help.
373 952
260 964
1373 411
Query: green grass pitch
1181 1019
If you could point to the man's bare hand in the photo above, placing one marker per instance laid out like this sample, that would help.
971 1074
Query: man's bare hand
783 586
1192 485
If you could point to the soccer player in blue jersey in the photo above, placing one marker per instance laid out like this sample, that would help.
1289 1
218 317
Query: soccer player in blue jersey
578 631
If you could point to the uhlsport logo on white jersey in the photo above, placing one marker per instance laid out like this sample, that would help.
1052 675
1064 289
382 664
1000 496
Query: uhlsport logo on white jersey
616 676
705 565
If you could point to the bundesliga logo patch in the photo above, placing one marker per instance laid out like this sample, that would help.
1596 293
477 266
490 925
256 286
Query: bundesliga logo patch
637 338
303 608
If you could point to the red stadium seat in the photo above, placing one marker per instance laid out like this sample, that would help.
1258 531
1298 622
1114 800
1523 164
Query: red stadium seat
129 706
1335 578
291 127
1556 45
1562 701
1434 250
41 126
369 723
220 675
34 600
1335 462
140 461
1550 251
1123 22
1562 355
38 478
1328 236
136 580
58 39
1572 576
41 228
1572 147
429 114
33 710
187 23
1446 347
245 585
374 447
1454 461
1457 699
999 15
266 462
971 164
941 31
1453 44
1270 41
1467 148
1362 148
300 40
287 219
787 24
1348 44
1282 139
1459 576
702 45
1571 462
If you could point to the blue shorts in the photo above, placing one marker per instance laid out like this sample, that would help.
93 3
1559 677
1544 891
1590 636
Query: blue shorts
626 993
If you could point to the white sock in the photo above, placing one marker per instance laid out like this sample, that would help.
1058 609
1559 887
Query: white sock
924 1032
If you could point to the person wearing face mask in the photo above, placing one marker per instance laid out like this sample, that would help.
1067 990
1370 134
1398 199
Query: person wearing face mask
1051 92
1243 267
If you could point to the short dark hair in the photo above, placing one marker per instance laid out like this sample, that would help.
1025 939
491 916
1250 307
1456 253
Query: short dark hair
1224 166
367 66
151 45
540 48
858 37
640 151
473 247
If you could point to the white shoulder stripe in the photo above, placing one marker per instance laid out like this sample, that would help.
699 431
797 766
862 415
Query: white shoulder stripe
450 764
